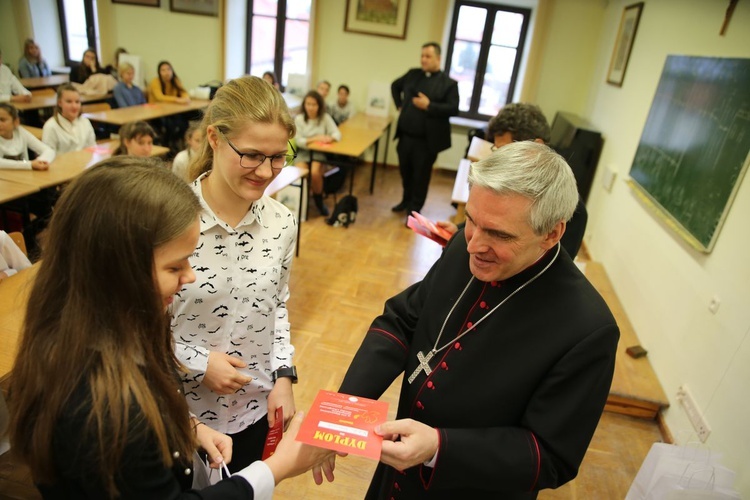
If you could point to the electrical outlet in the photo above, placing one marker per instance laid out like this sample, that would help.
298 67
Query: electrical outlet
685 397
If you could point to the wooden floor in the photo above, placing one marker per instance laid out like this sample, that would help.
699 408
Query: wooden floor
339 284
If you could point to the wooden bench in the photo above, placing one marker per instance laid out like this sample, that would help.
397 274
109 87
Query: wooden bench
635 391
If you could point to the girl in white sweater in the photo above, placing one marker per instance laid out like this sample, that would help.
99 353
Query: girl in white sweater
67 130
15 141
315 125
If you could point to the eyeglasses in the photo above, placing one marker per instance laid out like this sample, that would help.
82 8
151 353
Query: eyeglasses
251 161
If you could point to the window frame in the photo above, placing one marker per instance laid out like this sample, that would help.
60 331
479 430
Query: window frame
484 50
278 53
91 29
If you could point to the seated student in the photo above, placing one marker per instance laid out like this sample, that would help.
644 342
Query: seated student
315 125
11 89
517 122
89 66
67 130
167 88
12 259
270 77
341 109
136 139
15 142
125 92
114 68
194 141
323 88
106 418
31 64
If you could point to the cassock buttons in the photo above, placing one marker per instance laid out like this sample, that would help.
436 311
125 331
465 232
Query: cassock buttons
430 384
444 365
493 283
483 305
457 346
420 405
469 325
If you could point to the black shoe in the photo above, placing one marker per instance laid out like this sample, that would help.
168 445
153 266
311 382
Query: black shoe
400 207
318 199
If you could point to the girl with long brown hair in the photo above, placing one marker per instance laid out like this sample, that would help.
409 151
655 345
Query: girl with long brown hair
103 415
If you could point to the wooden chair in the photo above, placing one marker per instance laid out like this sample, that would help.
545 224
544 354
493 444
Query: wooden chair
17 238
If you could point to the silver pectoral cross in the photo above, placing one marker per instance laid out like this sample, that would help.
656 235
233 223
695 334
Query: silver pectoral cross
424 364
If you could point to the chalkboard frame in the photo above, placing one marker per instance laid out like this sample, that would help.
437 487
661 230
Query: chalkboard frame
695 147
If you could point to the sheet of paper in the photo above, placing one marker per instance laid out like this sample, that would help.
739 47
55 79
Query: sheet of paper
344 423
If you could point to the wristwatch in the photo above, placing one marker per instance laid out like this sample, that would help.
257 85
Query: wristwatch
285 371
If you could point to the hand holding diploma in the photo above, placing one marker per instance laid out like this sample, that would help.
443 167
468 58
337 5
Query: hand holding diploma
407 443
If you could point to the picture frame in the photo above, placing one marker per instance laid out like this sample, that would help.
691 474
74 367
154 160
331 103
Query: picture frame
375 17
144 3
631 15
200 7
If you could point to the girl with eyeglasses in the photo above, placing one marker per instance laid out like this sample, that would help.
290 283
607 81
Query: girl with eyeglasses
231 325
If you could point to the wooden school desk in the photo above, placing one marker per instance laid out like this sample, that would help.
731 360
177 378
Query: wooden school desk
41 82
358 133
144 112
50 101
14 292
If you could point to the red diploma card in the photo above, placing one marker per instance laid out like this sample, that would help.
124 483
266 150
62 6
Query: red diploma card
424 226
274 434
344 423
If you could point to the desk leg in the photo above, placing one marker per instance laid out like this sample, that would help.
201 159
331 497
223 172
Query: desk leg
387 142
302 184
374 165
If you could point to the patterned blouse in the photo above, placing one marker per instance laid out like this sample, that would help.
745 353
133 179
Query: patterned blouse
237 305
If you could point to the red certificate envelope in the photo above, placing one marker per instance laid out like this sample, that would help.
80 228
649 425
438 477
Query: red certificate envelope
424 226
274 434
344 423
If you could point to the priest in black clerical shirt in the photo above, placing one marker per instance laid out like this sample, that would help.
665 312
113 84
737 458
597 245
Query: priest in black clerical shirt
427 98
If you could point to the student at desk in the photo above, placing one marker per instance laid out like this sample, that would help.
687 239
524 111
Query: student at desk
31 64
315 125
67 130
136 139
12 259
167 87
11 89
126 93
89 66
15 141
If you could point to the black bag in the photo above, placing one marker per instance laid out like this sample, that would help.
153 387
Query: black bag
344 213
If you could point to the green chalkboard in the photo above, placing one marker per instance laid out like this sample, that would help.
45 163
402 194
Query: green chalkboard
694 148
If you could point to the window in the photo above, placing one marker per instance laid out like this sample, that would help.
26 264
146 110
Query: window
278 36
484 54
78 27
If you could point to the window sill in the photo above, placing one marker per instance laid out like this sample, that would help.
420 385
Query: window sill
458 121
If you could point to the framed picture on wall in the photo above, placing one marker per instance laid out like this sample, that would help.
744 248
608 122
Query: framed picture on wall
147 3
202 7
624 43
377 17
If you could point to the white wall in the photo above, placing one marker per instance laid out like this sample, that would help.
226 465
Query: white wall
192 43
665 285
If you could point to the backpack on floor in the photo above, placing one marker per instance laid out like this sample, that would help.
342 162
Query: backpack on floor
344 213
